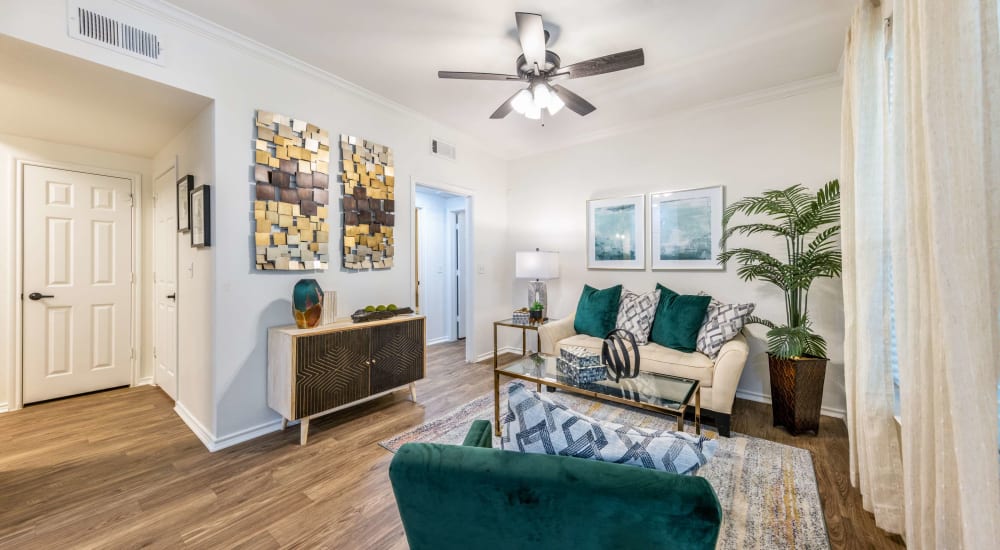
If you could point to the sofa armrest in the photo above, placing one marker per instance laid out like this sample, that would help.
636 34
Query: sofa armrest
480 435
552 333
728 369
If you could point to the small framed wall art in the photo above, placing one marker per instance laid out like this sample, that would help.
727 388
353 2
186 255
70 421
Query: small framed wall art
201 217
616 233
686 228
184 187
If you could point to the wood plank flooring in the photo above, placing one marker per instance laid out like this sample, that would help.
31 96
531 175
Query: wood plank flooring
119 469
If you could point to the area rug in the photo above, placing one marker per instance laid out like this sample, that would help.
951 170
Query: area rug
767 490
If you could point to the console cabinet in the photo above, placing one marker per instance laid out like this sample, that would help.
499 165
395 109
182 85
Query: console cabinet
312 372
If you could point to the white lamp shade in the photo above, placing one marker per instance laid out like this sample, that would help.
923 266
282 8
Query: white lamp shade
536 265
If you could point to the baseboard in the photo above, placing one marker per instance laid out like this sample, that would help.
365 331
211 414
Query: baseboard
441 340
4 407
761 398
246 435
206 437
500 351
213 443
145 381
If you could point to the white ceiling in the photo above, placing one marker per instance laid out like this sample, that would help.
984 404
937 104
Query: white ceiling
68 100
696 52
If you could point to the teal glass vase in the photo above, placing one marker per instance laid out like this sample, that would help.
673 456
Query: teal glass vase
307 303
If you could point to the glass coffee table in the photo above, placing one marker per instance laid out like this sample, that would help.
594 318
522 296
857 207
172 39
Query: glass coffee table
653 392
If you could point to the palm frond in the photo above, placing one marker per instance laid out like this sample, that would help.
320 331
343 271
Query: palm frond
752 206
825 209
753 228
754 320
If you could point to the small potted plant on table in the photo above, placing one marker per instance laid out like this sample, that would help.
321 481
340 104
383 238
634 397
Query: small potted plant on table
535 313
809 224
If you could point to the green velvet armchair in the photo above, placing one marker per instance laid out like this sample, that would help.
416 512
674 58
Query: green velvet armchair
473 496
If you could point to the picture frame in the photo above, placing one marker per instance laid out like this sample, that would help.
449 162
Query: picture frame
184 187
686 229
201 216
616 233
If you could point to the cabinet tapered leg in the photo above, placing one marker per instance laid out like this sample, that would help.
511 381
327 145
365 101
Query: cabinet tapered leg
413 392
303 430
284 423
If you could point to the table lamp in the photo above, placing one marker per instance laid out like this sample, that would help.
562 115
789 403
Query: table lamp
537 265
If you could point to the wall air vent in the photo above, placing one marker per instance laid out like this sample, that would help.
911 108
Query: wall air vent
103 29
442 149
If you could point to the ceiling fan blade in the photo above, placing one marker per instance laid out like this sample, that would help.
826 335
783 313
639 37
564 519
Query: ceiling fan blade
477 76
532 36
603 64
505 108
575 103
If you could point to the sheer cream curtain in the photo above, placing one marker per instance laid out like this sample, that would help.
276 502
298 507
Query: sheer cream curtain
945 211
876 456
921 192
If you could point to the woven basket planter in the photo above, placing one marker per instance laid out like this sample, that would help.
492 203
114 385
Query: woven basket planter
797 392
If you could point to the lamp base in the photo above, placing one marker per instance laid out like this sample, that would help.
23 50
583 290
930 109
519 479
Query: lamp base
537 293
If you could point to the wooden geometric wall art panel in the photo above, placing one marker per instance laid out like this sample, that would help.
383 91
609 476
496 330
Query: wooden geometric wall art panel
292 159
369 195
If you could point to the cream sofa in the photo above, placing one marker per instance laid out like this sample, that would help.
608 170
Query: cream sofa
718 378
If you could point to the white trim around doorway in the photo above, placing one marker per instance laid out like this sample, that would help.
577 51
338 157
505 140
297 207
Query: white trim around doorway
17 397
470 258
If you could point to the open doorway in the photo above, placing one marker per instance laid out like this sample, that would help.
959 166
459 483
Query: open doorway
86 154
441 262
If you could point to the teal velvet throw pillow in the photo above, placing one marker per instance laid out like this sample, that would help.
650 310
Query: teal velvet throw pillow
597 311
678 319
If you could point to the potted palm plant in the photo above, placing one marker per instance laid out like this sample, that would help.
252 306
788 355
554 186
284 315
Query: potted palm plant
809 224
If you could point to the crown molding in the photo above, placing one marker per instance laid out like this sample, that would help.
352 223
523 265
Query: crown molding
765 95
173 15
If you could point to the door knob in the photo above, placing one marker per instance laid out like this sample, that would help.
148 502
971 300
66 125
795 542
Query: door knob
172 296
38 296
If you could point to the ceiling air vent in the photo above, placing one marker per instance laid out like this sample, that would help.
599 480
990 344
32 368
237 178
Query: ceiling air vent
102 29
442 149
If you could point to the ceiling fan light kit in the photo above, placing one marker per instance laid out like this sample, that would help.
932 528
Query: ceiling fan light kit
538 66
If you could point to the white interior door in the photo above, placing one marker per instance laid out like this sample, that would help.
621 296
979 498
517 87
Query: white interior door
460 268
77 315
165 283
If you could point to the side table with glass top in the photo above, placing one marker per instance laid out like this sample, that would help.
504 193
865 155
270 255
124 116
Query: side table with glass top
524 336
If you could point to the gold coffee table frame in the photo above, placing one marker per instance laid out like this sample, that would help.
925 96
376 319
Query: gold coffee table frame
694 393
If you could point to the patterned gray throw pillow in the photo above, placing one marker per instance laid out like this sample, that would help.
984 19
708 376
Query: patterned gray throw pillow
636 312
722 323
536 424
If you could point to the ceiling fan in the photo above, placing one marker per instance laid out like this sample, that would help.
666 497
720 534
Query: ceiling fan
539 67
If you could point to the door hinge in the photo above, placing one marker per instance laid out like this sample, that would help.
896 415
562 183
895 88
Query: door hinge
131 353
131 278
131 200
154 351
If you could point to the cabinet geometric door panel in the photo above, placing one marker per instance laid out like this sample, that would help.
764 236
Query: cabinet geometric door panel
332 370
77 308
397 354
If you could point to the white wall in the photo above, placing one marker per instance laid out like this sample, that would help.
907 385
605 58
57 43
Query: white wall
434 265
193 151
748 149
242 78
12 149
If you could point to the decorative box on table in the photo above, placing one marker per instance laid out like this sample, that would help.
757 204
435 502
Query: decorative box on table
580 365
521 317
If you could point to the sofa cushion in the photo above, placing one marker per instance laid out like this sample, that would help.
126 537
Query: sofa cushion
663 360
635 314
678 319
597 311
658 359
722 323
536 424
